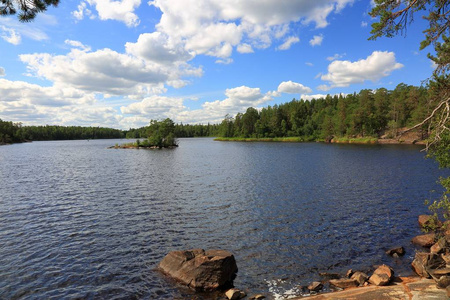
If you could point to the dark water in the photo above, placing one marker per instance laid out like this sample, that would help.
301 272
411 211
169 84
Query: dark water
78 220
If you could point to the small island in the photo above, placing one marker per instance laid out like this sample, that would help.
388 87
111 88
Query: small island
161 134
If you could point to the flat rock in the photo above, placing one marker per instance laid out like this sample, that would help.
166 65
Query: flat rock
443 282
343 283
199 269
424 240
439 246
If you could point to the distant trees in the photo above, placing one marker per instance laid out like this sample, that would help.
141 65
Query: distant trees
369 113
9 132
161 133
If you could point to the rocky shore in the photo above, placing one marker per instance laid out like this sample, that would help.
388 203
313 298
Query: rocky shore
213 270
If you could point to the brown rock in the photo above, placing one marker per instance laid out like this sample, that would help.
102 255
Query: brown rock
448 291
234 294
257 297
424 263
400 251
315 286
446 258
200 269
360 277
427 221
382 275
349 273
424 240
439 246
343 283
443 282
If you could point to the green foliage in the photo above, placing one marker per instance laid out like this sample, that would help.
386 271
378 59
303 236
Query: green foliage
394 18
366 114
161 134
26 9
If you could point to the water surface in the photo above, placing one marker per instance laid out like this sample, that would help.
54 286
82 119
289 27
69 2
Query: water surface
78 220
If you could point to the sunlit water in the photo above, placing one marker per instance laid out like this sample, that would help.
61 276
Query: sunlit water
78 220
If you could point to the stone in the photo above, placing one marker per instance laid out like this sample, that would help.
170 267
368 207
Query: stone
424 240
329 275
396 252
448 291
199 269
382 275
343 283
443 282
360 277
315 286
234 294
427 221
349 273
257 297
424 263
439 246
446 258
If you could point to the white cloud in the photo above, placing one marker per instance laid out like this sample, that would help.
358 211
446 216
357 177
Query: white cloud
288 43
309 64
316 40
107 71
2 72
10 35
318 96
122 11
374 67
290 87
207 26
364 24
334 57
244 48
77 44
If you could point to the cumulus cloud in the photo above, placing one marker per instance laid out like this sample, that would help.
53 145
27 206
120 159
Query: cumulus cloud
213 27
244 48
77 44
107 71
290 87
155 107
2 72
316 40
288 43
376 66
122 11
318 96
10 35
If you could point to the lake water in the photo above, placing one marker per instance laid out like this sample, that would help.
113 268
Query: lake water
78 220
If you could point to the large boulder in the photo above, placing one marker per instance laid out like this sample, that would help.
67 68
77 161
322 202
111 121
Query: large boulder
428 222
382 275
424 240
199 269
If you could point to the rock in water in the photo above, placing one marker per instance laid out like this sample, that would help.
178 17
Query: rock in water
400 251
199 269
424 240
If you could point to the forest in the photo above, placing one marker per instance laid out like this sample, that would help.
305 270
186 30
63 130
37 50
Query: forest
369 113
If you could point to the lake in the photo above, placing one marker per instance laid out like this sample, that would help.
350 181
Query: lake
78 220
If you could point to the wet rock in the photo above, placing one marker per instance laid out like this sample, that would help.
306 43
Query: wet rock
439 246
343 283
424 240
315 286
396 252
382 275
234 294
329 275
360 277
199 269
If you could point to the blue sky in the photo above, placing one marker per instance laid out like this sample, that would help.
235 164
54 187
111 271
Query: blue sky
121 63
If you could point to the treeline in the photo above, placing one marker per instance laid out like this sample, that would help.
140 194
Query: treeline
368 113
14 133
181 130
